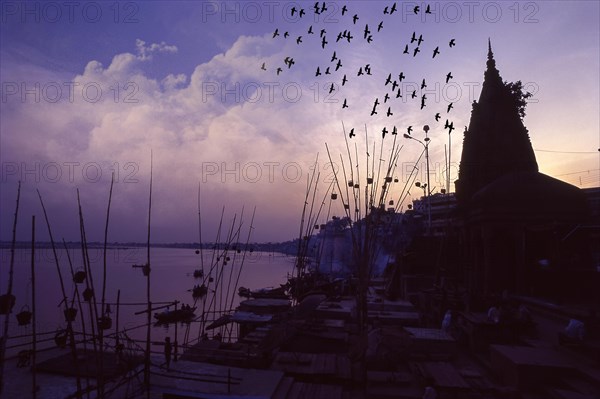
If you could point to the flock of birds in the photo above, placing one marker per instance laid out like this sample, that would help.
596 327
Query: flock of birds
392 84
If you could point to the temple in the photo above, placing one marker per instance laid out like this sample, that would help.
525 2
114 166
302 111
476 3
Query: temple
496 142
520 229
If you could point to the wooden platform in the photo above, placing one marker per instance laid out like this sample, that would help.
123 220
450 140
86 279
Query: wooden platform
521 366
312 366
88 364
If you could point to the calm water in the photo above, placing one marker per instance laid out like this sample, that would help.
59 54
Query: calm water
171 279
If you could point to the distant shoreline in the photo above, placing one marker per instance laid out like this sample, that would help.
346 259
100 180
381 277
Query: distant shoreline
288 248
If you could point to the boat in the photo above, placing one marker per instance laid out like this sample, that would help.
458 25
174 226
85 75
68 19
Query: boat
270 292
174 316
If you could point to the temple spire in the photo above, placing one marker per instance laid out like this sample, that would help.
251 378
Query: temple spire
491 63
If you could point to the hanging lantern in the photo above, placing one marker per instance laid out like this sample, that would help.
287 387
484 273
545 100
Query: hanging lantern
369 180
7 301
146 270
333 196
350 183
388 179
70 314
104 323
60 338
88 293
24 316
79 276
316 227
396 180
346 206
391 202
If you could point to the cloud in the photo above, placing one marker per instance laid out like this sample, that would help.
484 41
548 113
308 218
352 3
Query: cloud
145 52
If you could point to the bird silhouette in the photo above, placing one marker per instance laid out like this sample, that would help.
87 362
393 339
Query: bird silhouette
387 97
323 31
394 85
360 72
302 12
413 38
352 133
401 76
428 9
449 126
355 18
323 8
452 43
344 80
367 32
375 104
286 34
436 52
416 9
344 9
310 30
327 71
276 33
449 76
423 84
389 112
340 36
437 117
299 40
279 70
388 80
318 73
263 67
323 43
398 95
334 57
289 62
393 9
317 8
394 130
409 130
416 51
338 65
331 88
385 10
421 40
293 11
380 26
405 50
423 98
414 94
384 132
345 104
449 107
370 39
368 69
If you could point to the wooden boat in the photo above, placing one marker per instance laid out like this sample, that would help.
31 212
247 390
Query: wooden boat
271 292
174 316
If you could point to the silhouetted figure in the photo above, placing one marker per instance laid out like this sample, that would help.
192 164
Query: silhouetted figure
449 76
168 352
452 43
436 51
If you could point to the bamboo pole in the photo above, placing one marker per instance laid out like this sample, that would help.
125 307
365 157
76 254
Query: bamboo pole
33 311
4 337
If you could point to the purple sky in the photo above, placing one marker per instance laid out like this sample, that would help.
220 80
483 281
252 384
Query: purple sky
94 88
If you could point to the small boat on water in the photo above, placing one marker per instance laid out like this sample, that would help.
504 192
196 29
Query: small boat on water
173 316
271 292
